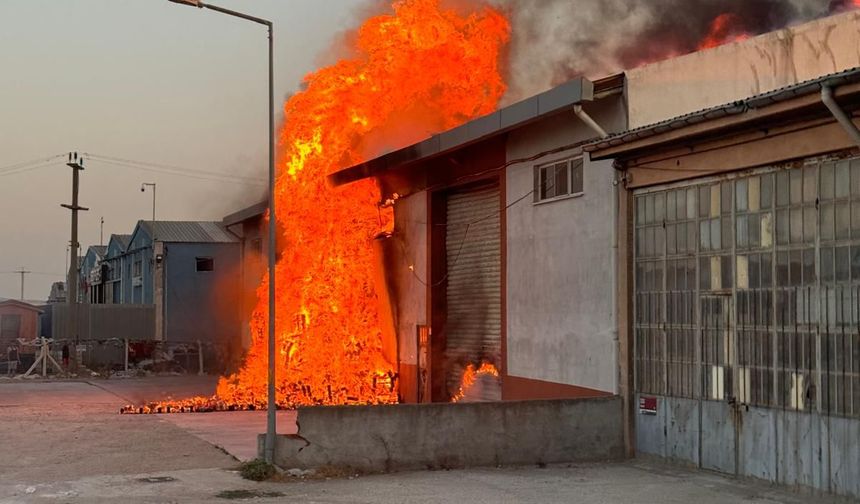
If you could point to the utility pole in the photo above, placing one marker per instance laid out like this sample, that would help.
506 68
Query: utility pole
77 165
102 232
22 272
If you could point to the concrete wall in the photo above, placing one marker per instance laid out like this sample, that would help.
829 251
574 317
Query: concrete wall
202 305
560 325
421 436
735 71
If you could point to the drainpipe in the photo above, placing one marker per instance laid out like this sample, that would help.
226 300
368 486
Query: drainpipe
839 114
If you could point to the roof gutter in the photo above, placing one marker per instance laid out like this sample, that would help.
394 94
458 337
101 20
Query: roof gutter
839 114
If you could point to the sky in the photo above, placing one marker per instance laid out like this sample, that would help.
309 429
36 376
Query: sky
142 80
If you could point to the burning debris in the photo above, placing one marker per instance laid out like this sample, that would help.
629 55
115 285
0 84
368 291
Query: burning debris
470 376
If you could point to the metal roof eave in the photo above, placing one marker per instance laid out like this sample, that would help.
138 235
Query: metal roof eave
501 121
628 141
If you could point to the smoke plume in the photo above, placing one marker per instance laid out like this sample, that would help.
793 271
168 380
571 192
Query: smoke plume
555 40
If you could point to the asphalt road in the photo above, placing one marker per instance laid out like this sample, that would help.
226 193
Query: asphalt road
64 442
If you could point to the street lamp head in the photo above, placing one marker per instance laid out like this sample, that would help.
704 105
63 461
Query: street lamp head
192 3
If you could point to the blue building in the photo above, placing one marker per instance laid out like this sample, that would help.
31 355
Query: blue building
188 271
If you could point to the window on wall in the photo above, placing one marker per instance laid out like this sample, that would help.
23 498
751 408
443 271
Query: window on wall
558 179
137 269
205 264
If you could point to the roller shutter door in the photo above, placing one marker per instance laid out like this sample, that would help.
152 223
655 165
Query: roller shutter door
473 247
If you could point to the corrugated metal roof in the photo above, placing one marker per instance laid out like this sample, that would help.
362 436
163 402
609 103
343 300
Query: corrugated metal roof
122 239
188 232
560 98
849 76
99 249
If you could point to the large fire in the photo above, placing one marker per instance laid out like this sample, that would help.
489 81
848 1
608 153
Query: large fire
421 69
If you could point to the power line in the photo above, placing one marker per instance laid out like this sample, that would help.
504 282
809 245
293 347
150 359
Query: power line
23 164
174 170
29 168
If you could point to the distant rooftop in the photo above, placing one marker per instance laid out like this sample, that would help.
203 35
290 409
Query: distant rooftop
188 232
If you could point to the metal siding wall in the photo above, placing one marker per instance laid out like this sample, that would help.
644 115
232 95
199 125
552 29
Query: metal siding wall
103 322
473 247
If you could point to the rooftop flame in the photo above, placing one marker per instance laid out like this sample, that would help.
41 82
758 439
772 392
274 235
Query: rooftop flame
424 66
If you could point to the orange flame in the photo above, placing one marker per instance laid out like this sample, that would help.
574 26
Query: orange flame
470 375
422 69
724 29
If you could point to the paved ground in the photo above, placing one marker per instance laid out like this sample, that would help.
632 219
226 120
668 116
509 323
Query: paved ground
63 442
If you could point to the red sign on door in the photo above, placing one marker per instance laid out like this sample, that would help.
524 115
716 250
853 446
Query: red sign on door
647 405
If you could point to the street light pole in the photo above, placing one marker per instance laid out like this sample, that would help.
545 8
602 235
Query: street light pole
143 189
272 403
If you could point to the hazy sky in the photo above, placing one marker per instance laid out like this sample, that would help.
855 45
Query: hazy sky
145 80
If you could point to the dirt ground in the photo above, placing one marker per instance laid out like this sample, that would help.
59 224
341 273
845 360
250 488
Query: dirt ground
64 442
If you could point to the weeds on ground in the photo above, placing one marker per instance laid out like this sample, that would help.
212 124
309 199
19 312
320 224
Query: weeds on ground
257 470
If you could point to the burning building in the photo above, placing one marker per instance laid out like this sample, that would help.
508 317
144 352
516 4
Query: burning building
500 262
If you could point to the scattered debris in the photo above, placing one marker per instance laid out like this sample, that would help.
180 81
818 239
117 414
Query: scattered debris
157 479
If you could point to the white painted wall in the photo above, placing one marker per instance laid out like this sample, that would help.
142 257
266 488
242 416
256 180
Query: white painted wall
560 325
410 231
735 71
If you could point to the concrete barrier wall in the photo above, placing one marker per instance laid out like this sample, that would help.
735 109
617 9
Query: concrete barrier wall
437 436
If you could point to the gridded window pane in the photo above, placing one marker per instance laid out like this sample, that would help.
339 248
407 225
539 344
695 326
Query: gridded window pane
826 191
810 188
810 224
742 231
843 221
705 235
843 264
809 275
725 197
827 269
782 269
704 201
726 272
691 203
796 182
704 273
741 195
855 179
561 174
826 222
576 176
782 188
842 179
649 209
671 206
766 270
671 243
796 267
640 210
659 207
767 191
716 241
796 217
782 227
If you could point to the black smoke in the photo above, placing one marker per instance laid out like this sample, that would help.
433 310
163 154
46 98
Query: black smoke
555 40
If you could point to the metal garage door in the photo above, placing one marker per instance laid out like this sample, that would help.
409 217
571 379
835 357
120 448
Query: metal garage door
473 248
